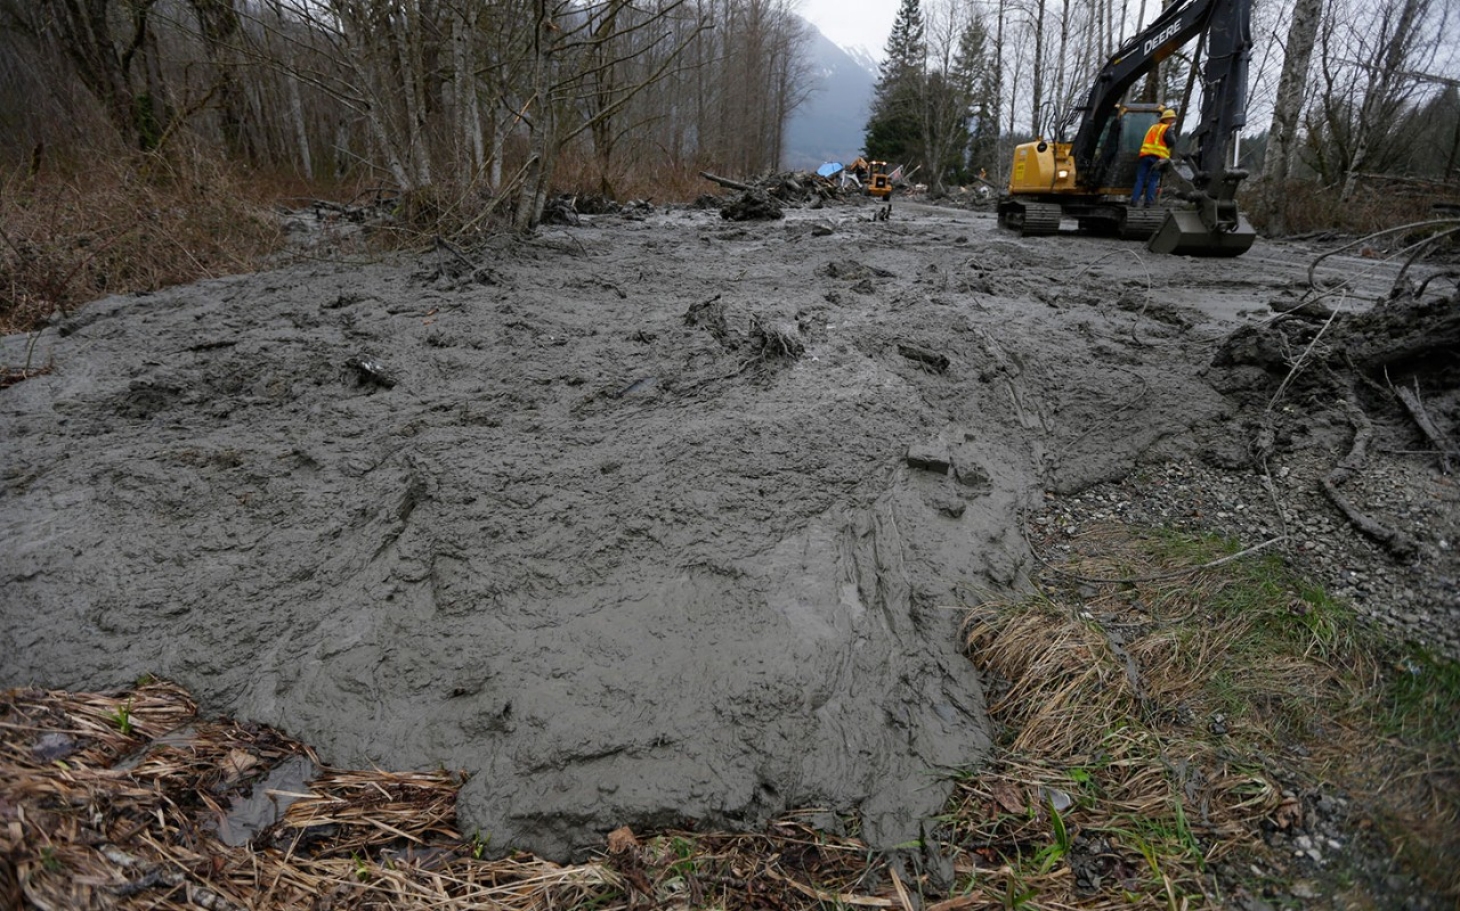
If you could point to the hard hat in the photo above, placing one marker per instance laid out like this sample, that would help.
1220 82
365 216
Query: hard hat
1168 114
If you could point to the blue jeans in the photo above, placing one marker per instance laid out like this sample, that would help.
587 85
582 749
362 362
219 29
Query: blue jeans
1148 179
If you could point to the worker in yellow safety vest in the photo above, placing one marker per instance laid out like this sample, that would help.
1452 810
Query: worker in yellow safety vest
1155 152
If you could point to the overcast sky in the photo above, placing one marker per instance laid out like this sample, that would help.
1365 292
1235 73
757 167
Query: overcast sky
853 23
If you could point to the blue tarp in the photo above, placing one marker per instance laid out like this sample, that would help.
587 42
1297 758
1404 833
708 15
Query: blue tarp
830 168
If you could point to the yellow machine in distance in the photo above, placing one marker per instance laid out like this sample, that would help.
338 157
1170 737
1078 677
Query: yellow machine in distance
879 182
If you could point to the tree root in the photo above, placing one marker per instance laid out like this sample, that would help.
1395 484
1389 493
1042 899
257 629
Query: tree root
1416 407
776 340
1395 541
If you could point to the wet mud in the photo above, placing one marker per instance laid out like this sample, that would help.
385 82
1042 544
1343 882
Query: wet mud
645 521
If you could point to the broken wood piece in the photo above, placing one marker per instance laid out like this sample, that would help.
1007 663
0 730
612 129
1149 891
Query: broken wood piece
929 457
936 362
1416 407
1305 309
1395 541
369 372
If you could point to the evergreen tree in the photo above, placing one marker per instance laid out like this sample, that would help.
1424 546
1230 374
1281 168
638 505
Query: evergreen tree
894 129
906 46
1434 153
974 75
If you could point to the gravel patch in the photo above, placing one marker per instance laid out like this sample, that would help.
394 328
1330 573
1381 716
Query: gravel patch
1417 601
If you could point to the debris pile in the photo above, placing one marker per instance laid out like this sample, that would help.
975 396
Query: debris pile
752 205
567 208
764 198
1398 362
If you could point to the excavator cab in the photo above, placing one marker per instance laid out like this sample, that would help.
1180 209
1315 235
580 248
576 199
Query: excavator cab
1050 181
1112 170
1119 161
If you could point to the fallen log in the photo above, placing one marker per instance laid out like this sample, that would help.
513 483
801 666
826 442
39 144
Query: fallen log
726 182
1404 332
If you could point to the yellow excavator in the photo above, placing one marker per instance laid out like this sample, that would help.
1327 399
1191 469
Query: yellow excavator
878 180
1090 177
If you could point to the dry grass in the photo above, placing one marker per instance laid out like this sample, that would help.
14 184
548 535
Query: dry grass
99 810
113 801
1167 706
657 182
124 223
467 211
1147 745
1375 206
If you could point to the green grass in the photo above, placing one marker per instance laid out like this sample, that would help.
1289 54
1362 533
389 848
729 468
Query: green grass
50 861
122 718
1421 698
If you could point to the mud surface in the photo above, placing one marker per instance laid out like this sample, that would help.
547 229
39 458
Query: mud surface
650 520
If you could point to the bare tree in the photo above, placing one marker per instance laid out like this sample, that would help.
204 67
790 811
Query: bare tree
1292 84
219 26
1398 43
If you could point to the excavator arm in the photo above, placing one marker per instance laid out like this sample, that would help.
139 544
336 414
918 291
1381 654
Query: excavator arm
1215 227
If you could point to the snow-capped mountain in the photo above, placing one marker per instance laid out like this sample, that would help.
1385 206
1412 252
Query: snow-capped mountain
830 124
864 59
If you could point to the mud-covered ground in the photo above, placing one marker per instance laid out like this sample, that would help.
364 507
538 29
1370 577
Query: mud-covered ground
659 518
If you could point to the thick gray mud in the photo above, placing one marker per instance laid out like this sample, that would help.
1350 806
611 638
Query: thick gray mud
620 565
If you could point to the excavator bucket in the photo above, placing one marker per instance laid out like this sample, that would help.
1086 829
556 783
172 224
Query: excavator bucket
1185 234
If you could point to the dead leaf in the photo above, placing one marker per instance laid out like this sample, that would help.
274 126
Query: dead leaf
622 839
1010 798
1288 814
238 762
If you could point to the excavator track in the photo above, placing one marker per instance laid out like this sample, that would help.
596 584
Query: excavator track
1141 224
1030 219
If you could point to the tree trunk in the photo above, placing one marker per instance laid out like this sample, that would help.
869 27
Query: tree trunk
301 131
219 25
408 54
463 95
83 29
499 145
1038 82
1283 138
542 151
997 91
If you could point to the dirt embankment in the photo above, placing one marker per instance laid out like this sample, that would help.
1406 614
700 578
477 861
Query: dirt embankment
650 519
